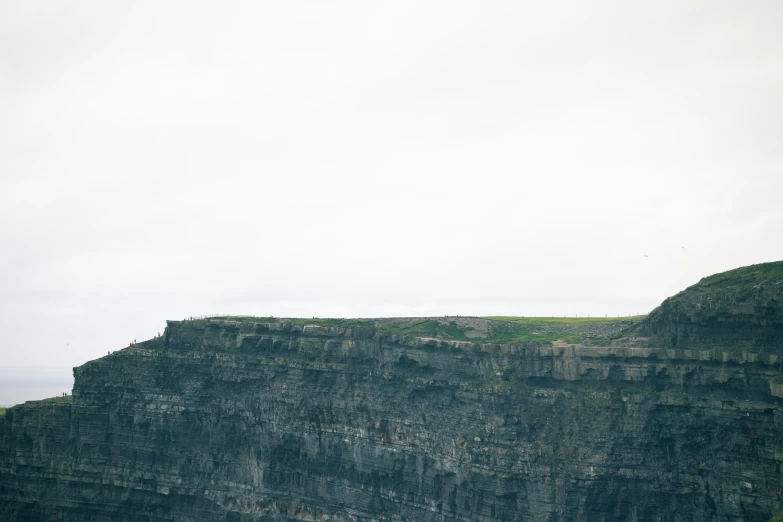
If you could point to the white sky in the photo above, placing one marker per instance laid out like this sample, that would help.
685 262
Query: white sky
361 158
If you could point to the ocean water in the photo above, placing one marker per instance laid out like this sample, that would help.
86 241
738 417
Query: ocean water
30 383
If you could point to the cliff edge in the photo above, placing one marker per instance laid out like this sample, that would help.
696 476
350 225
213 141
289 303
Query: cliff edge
260 419
741 309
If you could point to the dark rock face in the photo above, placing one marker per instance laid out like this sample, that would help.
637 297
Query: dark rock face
739 310
230 421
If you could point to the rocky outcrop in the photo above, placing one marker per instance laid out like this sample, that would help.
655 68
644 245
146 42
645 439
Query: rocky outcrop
738 310
278 420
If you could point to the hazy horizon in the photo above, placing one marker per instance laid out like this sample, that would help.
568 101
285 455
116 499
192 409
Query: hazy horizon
28 383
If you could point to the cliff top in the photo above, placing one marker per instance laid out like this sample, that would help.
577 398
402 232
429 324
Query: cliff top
740 308
746 275
748 297
495 329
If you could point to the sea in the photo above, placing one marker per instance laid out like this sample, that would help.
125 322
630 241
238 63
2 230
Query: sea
31 383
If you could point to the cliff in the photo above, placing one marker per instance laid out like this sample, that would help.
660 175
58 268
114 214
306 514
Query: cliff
740 310
251 419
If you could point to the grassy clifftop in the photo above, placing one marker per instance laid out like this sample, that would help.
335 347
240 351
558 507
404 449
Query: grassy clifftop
496 329
740 306
747 275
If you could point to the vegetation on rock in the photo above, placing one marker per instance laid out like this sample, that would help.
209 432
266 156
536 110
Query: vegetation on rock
493 329
747 275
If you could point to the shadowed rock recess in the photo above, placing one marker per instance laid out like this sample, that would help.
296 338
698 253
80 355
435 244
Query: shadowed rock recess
678 417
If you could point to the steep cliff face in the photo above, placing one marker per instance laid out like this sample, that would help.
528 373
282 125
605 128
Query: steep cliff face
275 420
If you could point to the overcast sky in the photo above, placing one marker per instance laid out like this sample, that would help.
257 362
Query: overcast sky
361 158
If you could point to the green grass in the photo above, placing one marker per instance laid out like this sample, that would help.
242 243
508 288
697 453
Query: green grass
343 323
740 276
564 321
778 517
518 333
428 328
502 329
2 411
511 330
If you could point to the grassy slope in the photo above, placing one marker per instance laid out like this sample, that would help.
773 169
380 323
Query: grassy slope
740 276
